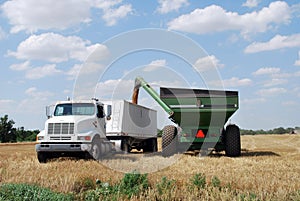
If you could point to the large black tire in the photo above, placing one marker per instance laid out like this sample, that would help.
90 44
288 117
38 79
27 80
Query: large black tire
96 150
169 141
125 146
154 145
42 157
151 145
232 141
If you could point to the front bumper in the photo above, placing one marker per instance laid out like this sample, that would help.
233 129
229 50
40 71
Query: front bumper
62 147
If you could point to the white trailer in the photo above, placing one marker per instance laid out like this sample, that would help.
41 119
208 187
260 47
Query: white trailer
132 126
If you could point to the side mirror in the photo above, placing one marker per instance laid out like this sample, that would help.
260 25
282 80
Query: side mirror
49 111
108 111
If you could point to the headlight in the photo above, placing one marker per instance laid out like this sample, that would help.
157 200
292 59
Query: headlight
39 138
84 138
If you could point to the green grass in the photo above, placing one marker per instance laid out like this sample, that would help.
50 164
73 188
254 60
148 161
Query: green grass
135 186
26 192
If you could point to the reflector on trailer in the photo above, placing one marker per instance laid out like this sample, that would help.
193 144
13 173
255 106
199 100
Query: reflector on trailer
200 134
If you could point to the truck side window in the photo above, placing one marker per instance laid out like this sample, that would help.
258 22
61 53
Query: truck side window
100 113
108 110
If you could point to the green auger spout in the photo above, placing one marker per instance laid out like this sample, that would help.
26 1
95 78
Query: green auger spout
140 82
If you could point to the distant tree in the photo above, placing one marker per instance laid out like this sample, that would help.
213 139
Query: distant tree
7 132
31 135
26 135
279 130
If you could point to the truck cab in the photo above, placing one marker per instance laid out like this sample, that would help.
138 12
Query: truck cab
75 128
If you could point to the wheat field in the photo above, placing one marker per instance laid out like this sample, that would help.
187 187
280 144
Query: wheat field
269 167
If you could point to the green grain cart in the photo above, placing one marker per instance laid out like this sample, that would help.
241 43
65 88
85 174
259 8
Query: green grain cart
201 116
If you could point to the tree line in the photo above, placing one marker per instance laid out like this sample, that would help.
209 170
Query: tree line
279 130
10 134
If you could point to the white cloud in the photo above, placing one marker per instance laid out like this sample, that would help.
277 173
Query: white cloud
73 72
271 92
32 108
237 82
166 6
37 15
53 48
21 66
251 3
106 4
267 71
112 10
232 82
277 42
171 84
115 88
275 82
253 101
34 93
215 19
207 63
88 69
112 15
122 89
43 71
155 65
282 75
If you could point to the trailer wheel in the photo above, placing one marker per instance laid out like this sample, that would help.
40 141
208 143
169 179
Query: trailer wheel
169 141
42 157
125 146
151 145
96 150
154 147
232 141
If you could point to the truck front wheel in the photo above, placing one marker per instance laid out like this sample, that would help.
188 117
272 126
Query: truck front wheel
96 150
42 157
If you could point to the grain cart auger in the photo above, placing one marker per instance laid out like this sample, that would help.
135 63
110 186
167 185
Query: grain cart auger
201 116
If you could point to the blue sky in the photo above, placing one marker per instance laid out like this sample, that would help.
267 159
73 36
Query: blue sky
254 45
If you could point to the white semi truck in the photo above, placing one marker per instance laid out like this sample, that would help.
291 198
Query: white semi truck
93 129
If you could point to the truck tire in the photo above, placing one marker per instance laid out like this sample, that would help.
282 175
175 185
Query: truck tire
232 141
169 141
151 145
96 150
42 157
125 146
154 147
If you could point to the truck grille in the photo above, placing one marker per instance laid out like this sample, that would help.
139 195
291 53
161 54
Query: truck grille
61 128
60 138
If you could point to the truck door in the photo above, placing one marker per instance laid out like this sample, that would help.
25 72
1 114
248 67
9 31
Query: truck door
101 120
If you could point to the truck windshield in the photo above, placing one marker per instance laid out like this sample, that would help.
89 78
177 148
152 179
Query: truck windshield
74 109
